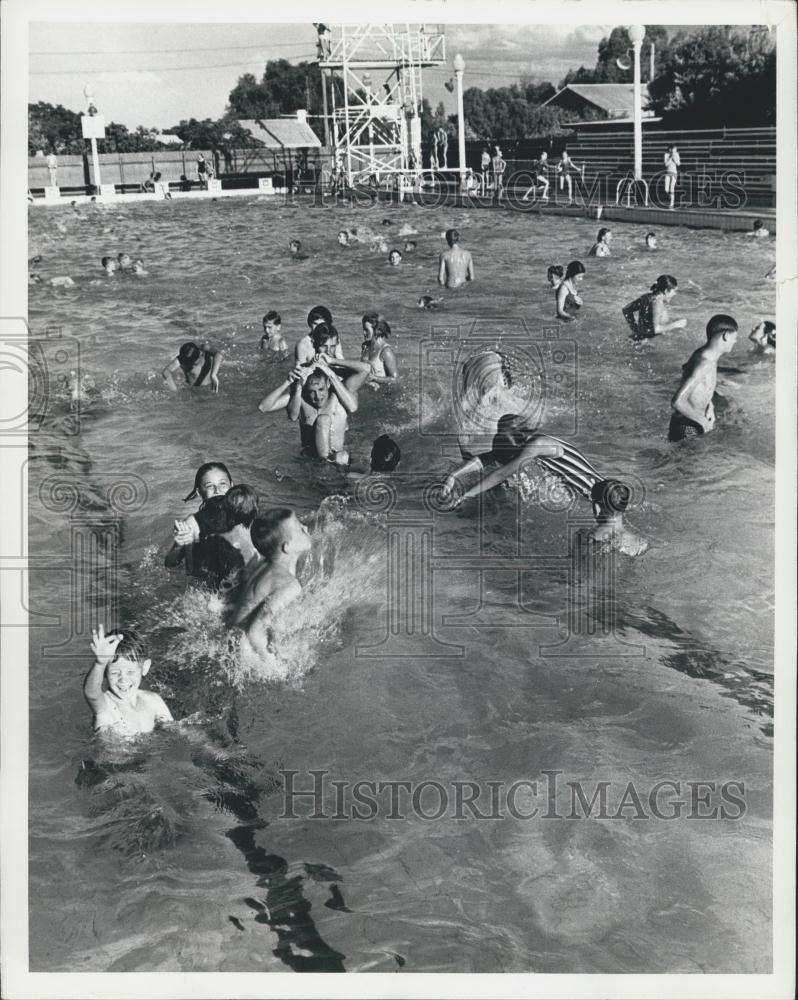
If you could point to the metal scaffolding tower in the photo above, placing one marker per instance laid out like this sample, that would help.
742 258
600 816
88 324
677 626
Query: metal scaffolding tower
372 77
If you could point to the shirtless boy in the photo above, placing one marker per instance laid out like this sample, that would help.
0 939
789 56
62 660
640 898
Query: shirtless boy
320 399
693 409
199 364
280 538
456 266
121 708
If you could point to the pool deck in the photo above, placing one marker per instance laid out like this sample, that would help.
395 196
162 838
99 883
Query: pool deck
726 220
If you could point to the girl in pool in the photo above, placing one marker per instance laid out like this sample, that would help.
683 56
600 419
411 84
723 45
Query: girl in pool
377 352
601 248
647 316
568 299
211 480
515 445
199 364
564 169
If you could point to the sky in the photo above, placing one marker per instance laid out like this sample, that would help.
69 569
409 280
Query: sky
157 74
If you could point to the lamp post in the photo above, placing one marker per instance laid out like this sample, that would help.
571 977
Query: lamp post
459 66
637 33
88 93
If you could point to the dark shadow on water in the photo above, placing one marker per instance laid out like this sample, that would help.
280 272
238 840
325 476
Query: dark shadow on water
750 688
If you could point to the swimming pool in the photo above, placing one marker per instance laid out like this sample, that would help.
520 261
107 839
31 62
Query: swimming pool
177 857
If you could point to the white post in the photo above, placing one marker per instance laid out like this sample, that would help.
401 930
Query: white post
459 66
88 93
637 33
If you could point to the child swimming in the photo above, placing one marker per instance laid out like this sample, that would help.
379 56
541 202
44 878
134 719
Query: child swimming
377 353
395 258
763 337
647 316
568 300
692 404
601 248
113 687
304 350
758 231
515 445
272 336
280 539
199 364
651 241
211 479
109 265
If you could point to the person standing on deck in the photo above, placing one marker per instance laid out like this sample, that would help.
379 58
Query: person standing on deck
672 164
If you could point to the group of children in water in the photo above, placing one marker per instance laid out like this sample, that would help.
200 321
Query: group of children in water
252 554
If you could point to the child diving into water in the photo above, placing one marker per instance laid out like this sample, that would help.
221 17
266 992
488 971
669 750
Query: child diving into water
280 538
113 687
515 445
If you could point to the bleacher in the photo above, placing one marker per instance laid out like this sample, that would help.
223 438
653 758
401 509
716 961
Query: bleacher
609 155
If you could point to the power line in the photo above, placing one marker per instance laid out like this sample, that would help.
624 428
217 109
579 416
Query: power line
148 69
144 52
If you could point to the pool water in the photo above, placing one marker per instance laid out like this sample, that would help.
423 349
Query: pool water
175 854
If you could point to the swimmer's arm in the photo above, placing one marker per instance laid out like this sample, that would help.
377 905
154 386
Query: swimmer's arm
215 365
562 295
390 366
278 399
657 312
347 391
629 312
472 465
470 269
160 709
175 556
542 446
93 687
442 271
167 375
681 401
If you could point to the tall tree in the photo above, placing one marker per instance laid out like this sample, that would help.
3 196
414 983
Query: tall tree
719 75
283 89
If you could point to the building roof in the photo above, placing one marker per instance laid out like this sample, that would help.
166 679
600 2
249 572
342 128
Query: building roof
281 133
169 140
616 99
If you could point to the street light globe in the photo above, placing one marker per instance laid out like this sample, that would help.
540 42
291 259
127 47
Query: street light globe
637 32
459 63
88 93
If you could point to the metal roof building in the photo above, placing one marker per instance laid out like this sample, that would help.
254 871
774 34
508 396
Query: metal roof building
282 133
616 100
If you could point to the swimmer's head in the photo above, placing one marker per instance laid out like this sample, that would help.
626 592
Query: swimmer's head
387 222
410 245
452 237
242 503
124 260
215 517
271 322
279 531
425 302
723 327
555 274
610 497
316 389
319 314
212 479
382 330
325 339
574 270
770 332
651 241
109 264
294 246
385 454
188 355
604 236
138 265
395 258
343 238
129 664
665 285
369 321
758 224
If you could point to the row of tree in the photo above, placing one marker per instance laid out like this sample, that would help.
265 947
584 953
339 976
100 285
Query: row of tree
705 77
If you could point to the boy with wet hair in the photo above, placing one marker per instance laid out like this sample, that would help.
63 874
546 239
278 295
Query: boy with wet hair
112 687
272 335
693 408
109 265
280 538
385 454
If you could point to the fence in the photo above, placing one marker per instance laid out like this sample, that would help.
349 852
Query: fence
175 166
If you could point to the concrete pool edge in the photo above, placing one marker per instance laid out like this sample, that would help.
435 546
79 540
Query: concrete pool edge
696 218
